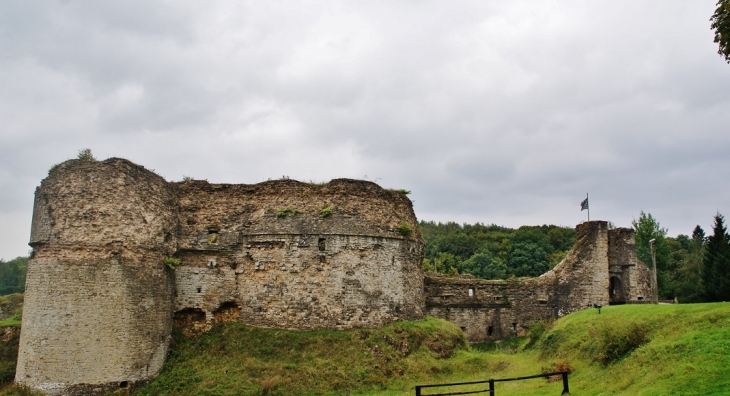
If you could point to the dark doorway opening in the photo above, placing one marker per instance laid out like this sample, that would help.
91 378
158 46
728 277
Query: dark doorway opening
616 291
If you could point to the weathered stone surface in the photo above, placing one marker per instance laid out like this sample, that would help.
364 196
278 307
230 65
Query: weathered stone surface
493 310
101 304
98 301
297 268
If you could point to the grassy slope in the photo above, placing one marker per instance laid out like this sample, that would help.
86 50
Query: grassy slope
686 351
235 359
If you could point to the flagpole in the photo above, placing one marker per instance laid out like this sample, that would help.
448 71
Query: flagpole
589 208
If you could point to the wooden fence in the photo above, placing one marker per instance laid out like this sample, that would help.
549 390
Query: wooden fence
491 382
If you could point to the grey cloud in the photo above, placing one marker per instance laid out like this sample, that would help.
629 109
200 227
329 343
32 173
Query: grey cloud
504 112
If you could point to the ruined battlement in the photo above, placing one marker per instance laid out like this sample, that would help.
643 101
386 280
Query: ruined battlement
601 268
101 303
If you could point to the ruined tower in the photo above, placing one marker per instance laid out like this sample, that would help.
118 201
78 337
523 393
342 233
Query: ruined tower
101 303
98 301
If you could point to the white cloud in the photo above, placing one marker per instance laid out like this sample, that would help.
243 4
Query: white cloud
490 111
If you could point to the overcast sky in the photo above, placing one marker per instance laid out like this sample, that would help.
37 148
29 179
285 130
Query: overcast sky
504 112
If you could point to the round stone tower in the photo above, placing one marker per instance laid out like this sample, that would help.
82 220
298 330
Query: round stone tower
99 300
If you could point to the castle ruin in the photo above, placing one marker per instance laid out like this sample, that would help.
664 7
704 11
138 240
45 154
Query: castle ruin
101 303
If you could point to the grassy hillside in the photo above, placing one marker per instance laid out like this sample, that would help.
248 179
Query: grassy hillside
235 359
625 350
644 349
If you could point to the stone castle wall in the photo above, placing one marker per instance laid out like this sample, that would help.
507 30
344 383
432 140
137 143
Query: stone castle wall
100 303
303 270
488 310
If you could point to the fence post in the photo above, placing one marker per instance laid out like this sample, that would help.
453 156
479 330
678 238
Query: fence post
491 387
566 389
418 391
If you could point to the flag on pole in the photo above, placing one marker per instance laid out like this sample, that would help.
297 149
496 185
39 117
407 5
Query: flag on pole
584 204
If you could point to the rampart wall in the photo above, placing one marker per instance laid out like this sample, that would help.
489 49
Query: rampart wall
488 310
101 304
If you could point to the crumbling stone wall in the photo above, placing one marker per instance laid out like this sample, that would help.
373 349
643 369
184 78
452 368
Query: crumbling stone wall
299 256
98 302
629 278
101 304
497 309
488 309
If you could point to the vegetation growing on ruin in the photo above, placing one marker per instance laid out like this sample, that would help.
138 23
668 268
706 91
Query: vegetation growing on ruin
326 212
53 169
404 229
288 211
83 155
86 155
171 262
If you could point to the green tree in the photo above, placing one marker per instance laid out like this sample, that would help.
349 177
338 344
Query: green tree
484 266
465 241
527 259
690 286
647 228
12 275
527 234
459 244
561 238
721 25
446 263
427 265
716 271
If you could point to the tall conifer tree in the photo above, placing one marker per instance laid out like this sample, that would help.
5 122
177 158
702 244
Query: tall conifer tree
690 283
716 271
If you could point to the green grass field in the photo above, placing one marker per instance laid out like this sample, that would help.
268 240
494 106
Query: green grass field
625 350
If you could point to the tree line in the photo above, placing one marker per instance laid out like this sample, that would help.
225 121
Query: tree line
492 251
12 275
690 268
